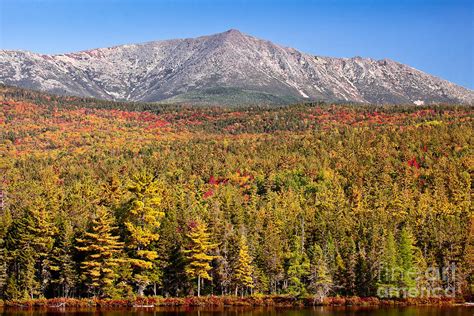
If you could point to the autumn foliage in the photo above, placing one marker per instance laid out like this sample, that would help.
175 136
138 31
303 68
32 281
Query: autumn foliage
303 200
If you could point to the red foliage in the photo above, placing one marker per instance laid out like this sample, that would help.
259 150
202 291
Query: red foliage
413 163
192 224
212 180
208 193
216 181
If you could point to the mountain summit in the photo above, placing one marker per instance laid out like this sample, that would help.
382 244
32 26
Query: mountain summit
224 68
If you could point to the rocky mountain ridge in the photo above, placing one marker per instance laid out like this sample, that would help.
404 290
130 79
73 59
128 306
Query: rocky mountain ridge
229 67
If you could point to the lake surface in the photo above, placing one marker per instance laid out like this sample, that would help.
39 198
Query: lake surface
232 311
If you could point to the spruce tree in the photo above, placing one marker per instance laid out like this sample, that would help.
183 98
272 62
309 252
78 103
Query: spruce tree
321 281
101 249
469 257
142 223
4 225
243 268
349 280
389 275
406 260
298 269
340 271
362 272
63 270
3 268
29 240
174 274
198 253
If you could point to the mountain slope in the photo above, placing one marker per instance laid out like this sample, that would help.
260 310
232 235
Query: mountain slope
206 69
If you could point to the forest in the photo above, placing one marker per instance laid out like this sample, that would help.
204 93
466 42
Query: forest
116 200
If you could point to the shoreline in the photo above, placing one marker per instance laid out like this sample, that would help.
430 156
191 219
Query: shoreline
229 301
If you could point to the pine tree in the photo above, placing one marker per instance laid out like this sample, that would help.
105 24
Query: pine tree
4 225
389 274
142 223
63 270
406 260
271 254
469 257
29 241
11 288
349 280
3 268
197 253
340 271
101 249
362 272
321 281
298 269
243 268
174 274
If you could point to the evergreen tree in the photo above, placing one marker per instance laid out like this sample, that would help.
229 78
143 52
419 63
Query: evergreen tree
197 253
406 260
271 255
101 249
321 281
340 271
3 268
63 267
389 275
11 288
29 241
243 268
142 223
4 224
174 275
298 269
469 257
350 263
362 272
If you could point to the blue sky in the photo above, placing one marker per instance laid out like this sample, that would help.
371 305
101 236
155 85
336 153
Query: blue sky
434 36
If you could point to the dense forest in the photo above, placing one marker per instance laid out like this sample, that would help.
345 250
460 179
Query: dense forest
113 199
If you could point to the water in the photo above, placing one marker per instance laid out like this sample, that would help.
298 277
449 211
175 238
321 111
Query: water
246 311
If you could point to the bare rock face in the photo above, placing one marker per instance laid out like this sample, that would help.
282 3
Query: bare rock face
209 68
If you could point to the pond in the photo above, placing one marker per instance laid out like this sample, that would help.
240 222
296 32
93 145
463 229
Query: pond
232 311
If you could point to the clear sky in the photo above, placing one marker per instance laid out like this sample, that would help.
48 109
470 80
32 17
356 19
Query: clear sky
434 36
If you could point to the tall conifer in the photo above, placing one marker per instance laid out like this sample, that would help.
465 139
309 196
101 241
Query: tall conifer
100 248
142 223
198 253
243 268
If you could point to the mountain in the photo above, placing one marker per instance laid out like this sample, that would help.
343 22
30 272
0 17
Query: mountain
225 68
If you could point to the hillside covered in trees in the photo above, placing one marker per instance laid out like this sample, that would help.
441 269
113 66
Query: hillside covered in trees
115 199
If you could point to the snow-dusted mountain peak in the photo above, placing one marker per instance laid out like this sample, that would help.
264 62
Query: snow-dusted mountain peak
229 66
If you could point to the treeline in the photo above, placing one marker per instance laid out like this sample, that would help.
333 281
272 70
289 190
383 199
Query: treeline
347 209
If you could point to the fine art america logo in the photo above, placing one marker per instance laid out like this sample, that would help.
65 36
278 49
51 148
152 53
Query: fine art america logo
430 282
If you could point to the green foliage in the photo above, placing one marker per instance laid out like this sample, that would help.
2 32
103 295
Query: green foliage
28 241
62 265
321 281
298 269
406 260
